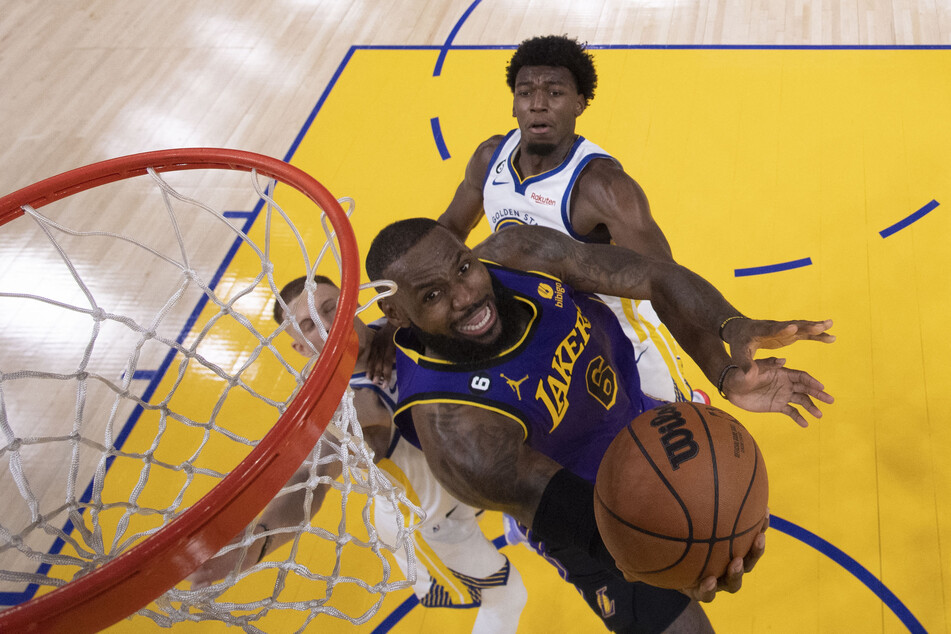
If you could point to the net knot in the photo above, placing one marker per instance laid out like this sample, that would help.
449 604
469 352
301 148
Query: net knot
98 314
15 444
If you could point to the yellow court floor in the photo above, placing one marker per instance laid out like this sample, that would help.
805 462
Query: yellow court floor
804 183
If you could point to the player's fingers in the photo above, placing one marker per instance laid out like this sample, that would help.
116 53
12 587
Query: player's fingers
805 383
771 337
733 580
817 330
759 547
704 592
794 414
804 401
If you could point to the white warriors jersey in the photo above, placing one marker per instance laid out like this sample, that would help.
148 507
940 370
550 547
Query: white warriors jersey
405 464
545 200
449 541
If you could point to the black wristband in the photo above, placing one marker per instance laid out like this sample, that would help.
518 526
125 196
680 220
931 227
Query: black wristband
728 320
565 517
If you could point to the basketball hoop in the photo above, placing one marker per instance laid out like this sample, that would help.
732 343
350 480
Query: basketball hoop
106 593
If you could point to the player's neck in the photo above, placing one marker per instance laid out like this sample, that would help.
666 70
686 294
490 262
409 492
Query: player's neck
529 163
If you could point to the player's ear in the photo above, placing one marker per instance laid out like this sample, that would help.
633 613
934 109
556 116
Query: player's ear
579 105
393 313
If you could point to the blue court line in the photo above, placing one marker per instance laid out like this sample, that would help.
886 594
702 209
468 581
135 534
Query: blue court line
783 526
901 224
320 102
396 615
447 45
406 606
853 567
239 214
437 137
295 144
772 268
775 47
776 522
672 47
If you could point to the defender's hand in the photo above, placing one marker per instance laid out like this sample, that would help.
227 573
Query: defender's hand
382 355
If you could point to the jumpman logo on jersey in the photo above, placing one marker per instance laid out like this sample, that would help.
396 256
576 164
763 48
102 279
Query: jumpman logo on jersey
515 385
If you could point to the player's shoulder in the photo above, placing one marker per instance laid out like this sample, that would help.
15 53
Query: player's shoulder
487 148
604 170
603 179
482 157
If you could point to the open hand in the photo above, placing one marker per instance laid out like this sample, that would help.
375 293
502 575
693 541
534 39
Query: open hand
746 336
768 386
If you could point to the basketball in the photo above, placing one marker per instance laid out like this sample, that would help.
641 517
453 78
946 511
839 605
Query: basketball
681 492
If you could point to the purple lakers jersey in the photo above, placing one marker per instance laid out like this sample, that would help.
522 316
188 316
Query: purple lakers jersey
570 382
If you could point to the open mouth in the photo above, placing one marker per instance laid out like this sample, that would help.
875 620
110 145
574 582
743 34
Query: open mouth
479 322
540 128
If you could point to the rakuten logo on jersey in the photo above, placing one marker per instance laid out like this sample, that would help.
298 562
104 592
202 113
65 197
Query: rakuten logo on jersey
542 200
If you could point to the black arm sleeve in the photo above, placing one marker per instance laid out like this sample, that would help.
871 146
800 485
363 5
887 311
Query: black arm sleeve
565 516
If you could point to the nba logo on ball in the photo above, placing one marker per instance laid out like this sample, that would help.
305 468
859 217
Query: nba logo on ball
681 492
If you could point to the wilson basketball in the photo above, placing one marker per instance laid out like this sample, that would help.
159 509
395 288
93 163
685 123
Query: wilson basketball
680 493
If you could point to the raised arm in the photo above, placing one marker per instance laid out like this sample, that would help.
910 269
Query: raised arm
465 210
692 309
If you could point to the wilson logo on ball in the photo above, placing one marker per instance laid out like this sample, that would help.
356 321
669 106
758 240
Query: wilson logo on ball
678 442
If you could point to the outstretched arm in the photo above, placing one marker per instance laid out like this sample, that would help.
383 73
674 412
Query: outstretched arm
691 308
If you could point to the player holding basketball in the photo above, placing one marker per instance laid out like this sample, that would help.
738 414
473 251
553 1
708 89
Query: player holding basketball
463 569
517 383
543 173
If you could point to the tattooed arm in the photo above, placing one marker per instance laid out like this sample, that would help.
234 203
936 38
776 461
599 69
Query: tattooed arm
480 457
691 307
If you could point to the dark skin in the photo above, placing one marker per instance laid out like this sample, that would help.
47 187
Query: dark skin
606 203
479 455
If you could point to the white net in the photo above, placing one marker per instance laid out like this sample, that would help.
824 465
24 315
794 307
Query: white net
140 365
